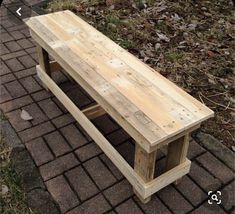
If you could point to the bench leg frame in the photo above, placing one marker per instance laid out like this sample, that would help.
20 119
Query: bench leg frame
144 166
141 177
177 152
44 62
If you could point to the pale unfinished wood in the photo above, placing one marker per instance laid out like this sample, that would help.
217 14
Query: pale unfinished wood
158 109
94 111
144 166
171 139
43 59
177 152
141 187
167 178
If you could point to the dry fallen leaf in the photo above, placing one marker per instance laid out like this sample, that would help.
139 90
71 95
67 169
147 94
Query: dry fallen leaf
210 53
4 190
233 148
175 17
157 46
25 115
163 37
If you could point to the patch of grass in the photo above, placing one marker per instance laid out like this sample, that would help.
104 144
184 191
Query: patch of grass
59 5
140 3
96 2
174 56
13 200
222 72
164 27
2 117
126 44
102 28
113 19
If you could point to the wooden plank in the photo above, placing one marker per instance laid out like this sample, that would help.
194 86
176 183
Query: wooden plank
94 111
177 152
167 178
173 138
144 166
87 125
80 28
43 59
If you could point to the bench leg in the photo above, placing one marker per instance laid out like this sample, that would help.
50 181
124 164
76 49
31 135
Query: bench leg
44 61
144 166
177 152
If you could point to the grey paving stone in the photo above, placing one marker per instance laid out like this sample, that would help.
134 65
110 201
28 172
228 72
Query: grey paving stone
128 207
81 183
62 193
95 205
100 174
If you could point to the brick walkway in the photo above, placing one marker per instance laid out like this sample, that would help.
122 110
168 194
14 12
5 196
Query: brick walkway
78 175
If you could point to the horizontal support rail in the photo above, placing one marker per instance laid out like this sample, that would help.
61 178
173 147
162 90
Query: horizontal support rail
93 111
135 180
55 66
167 178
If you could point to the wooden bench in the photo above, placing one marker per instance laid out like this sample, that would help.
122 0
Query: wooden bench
150 108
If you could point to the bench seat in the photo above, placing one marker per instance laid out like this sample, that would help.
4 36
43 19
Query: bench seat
153 110
146 103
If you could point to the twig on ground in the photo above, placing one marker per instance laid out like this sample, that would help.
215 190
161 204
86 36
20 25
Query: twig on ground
214 95
219 104
201 98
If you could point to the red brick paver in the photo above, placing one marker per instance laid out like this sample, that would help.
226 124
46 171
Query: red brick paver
79 176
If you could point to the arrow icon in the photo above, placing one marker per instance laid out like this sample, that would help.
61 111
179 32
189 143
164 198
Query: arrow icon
18 11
